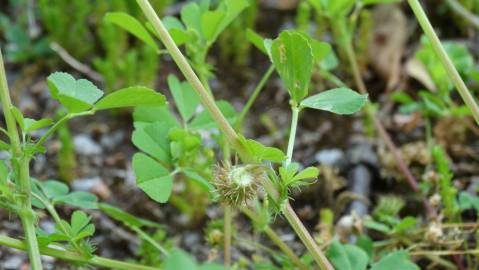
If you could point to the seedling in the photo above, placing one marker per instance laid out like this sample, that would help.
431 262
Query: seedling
79 98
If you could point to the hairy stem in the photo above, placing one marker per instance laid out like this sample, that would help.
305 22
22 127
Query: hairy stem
445 60
21 165
226 128
73 257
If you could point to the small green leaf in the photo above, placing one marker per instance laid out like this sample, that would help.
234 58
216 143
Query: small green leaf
262 152
32 124
153 140
200 180
154 179
131 97
308 173
185 97
204 120
80 199
4 172
179 259
405 224
398 260
347 257
191 16
131 25
256 40
4 145
210 22
292 57
339 101
75 95
162 114
176 29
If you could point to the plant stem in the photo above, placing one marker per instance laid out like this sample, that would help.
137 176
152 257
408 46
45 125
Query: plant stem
21 165
70 256
292 134
276 239
150 240
254 95
462 11
228 218
226 128
180 60
288 211
445 60
58 124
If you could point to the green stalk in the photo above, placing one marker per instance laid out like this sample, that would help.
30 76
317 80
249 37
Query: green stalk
276 239
21 165
73 257
228 219
445 60
227 129
150 240
292 134
182 63
254 95
464 12
295 222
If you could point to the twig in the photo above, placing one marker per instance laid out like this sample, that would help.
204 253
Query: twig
71 61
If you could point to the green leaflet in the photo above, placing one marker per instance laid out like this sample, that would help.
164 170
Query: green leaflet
154 179
339 101
292 57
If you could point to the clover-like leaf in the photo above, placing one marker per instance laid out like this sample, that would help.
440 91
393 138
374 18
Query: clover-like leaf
80 199
347 257
339 101
131 97
262 152
75 95
186 99
151 177
395 260
292 57
132 25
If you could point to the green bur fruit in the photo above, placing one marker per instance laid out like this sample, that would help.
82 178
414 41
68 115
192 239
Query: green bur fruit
236 185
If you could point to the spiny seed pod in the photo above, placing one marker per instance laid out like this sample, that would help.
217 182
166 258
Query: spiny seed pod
236 185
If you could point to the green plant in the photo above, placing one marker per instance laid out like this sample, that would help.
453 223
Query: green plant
22 41
349 257
444 58
19 191
296 76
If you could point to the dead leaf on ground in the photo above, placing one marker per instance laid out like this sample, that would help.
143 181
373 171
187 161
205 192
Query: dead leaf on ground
390 34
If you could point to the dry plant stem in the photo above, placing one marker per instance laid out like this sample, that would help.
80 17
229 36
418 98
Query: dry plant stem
21 164
276 240
466 14
226 128
445 60
70 256
411 180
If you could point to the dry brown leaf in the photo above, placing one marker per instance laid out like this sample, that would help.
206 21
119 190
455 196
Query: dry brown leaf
387 43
